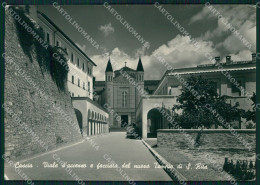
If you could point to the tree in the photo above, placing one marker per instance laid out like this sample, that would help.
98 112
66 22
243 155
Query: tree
250 115
201 105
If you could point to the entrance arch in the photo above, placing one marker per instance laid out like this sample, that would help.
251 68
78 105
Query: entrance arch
79 118
154 122
156 119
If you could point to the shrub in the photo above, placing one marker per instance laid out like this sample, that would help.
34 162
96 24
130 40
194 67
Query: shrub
44 55
58 140
241 171
250 125
197 140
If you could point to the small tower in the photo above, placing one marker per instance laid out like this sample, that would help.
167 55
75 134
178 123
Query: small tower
140 71
109 87
109 72
140 81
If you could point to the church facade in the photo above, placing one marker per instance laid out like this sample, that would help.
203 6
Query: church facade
121 94
122 91
124 98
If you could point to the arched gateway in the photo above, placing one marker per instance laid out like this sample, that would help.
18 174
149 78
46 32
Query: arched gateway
156 119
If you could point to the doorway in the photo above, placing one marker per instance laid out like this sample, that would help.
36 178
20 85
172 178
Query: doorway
124 120
155 122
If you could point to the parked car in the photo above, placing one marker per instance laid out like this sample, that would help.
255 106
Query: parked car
131 131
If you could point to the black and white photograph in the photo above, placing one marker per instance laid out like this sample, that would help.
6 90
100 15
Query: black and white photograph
130 92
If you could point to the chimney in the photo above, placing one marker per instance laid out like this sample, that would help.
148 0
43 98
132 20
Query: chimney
253 57
217 59
228 59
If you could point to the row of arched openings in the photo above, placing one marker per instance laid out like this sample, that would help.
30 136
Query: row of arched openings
95 122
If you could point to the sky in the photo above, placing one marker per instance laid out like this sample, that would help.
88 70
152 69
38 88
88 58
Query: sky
164 38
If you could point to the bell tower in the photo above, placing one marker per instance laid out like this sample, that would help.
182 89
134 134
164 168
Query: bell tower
140 81
109 87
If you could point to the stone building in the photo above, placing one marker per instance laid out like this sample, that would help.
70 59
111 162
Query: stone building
92 118
236 79
80 76
125 100
121 94
122 90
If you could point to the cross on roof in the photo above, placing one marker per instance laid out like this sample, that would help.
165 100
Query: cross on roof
125 64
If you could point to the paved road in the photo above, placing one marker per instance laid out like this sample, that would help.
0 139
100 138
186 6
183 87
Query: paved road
113 145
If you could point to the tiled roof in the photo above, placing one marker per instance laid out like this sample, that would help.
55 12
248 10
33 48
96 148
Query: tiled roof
213 71
151 82
146 82
211 68
99 83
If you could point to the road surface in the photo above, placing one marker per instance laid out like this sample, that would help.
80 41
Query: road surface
84 157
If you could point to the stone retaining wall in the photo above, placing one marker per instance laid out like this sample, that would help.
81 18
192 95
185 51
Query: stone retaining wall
33 122
210 138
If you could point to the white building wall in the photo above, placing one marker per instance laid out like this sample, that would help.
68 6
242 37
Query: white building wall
90 80
77 71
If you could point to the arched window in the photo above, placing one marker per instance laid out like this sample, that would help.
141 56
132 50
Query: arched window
124 94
